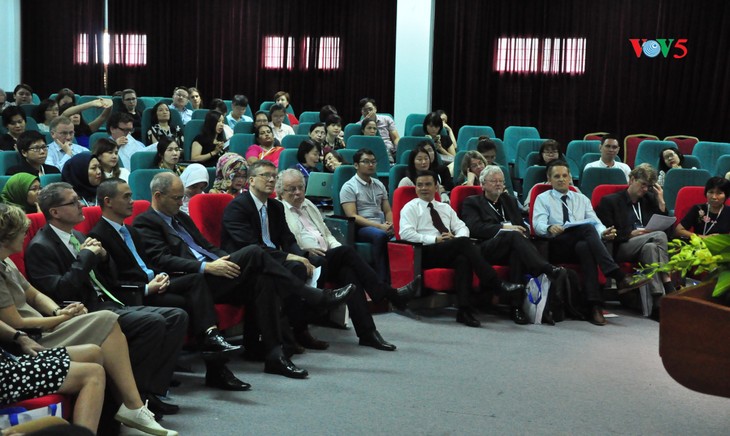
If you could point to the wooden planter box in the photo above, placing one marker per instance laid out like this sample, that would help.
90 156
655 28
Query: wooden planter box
694 340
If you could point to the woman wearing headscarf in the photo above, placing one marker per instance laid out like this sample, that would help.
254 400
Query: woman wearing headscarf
22 190
195 179
231 174
83 172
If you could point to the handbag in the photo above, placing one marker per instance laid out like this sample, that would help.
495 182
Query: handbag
537 291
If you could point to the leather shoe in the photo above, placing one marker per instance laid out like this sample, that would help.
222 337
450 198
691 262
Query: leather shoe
555 271
465 317
509 288
215 346
285 367
373 339
518 316
222 378
305 339
631 282
333 297
159 407
400 297
596 317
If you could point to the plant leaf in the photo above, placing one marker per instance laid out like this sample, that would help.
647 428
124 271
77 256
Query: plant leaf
718 244
723 284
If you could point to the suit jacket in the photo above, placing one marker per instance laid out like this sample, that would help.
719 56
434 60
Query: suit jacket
242 227
614 210
165 249
292 220
54 271
484 221
25 167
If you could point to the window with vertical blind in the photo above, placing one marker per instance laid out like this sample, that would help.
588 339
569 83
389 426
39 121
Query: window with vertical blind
284 53
118 49
540 55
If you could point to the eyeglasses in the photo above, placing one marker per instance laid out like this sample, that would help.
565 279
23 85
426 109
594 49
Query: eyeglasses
126 131
495 182
293 189
368 162
267 176
75 202
39 149
62 133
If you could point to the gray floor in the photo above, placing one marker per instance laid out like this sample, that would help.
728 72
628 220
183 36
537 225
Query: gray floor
445 378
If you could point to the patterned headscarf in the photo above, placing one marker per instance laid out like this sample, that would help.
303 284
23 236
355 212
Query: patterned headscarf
228 166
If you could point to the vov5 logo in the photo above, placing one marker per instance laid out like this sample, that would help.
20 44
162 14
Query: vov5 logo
652 47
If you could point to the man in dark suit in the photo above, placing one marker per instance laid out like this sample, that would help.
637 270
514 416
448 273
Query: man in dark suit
173 243
67 266
189 291
629 211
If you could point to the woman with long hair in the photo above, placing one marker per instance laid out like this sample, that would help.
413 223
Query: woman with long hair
161 125
211 141
332 139
45 113
107 152
264 147
168 155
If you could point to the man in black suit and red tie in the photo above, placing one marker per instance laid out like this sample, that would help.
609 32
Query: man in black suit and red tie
188 291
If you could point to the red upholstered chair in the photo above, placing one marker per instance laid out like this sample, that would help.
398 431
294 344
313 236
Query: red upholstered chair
460 193
685 143
595 136
37 221
50 401
687 197
206 210
602 190
631 145
92 215
139 207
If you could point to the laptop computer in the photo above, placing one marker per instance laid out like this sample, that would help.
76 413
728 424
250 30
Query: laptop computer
319 185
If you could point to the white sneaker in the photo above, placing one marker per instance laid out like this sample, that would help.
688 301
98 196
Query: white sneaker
142 419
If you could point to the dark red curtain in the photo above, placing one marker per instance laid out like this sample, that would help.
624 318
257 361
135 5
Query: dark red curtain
619 92
217 45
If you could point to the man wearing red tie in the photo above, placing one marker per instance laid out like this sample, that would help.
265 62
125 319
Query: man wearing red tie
446 244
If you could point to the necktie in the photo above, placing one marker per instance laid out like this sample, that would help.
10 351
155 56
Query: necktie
265 236
77 246
185 236
566 213
133 249
311 229
437 222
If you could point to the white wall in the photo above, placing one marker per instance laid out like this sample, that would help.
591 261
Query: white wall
10 46
413 58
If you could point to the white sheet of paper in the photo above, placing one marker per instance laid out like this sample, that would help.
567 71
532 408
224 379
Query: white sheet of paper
312 281
570 224
659 223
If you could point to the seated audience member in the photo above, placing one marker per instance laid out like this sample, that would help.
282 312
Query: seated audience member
609 150
264 147
386 126
449 131
326 111
161 125
260 118
580 243
472 164
65 97
629 211
219 105
22 94
231 175
132 106
238 111
488 149
707 218
496 219
168 155
246 276
70 267
14 121
317 134
341 263
280 130
365 199
83 172
82 129
333 139
432 125
369 127
307 159
195 179
120 127
73 370
107 152
549 151
282 98
189 292
418 161
62 148
34 151
4 103
446 244
45 113
211 141
22 190
669 158
446 181
332 160
196 101
179 103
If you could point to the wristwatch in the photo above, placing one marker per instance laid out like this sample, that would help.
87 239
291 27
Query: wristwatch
18 334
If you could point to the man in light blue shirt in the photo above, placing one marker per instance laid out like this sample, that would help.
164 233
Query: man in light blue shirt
575 232
238 111
62 148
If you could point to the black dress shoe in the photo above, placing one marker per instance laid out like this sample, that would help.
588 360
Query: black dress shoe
220 377
373 339
631 282
509 288
215 346
400 297
159 407
465 317
285 367
333 297
305 339
518 316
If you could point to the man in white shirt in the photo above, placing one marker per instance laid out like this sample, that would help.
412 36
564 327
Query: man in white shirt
446 244
121 127
609 149
575 232
179 103
62 148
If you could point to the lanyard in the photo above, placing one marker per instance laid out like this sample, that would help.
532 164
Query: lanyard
501 214
705 230
637 212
